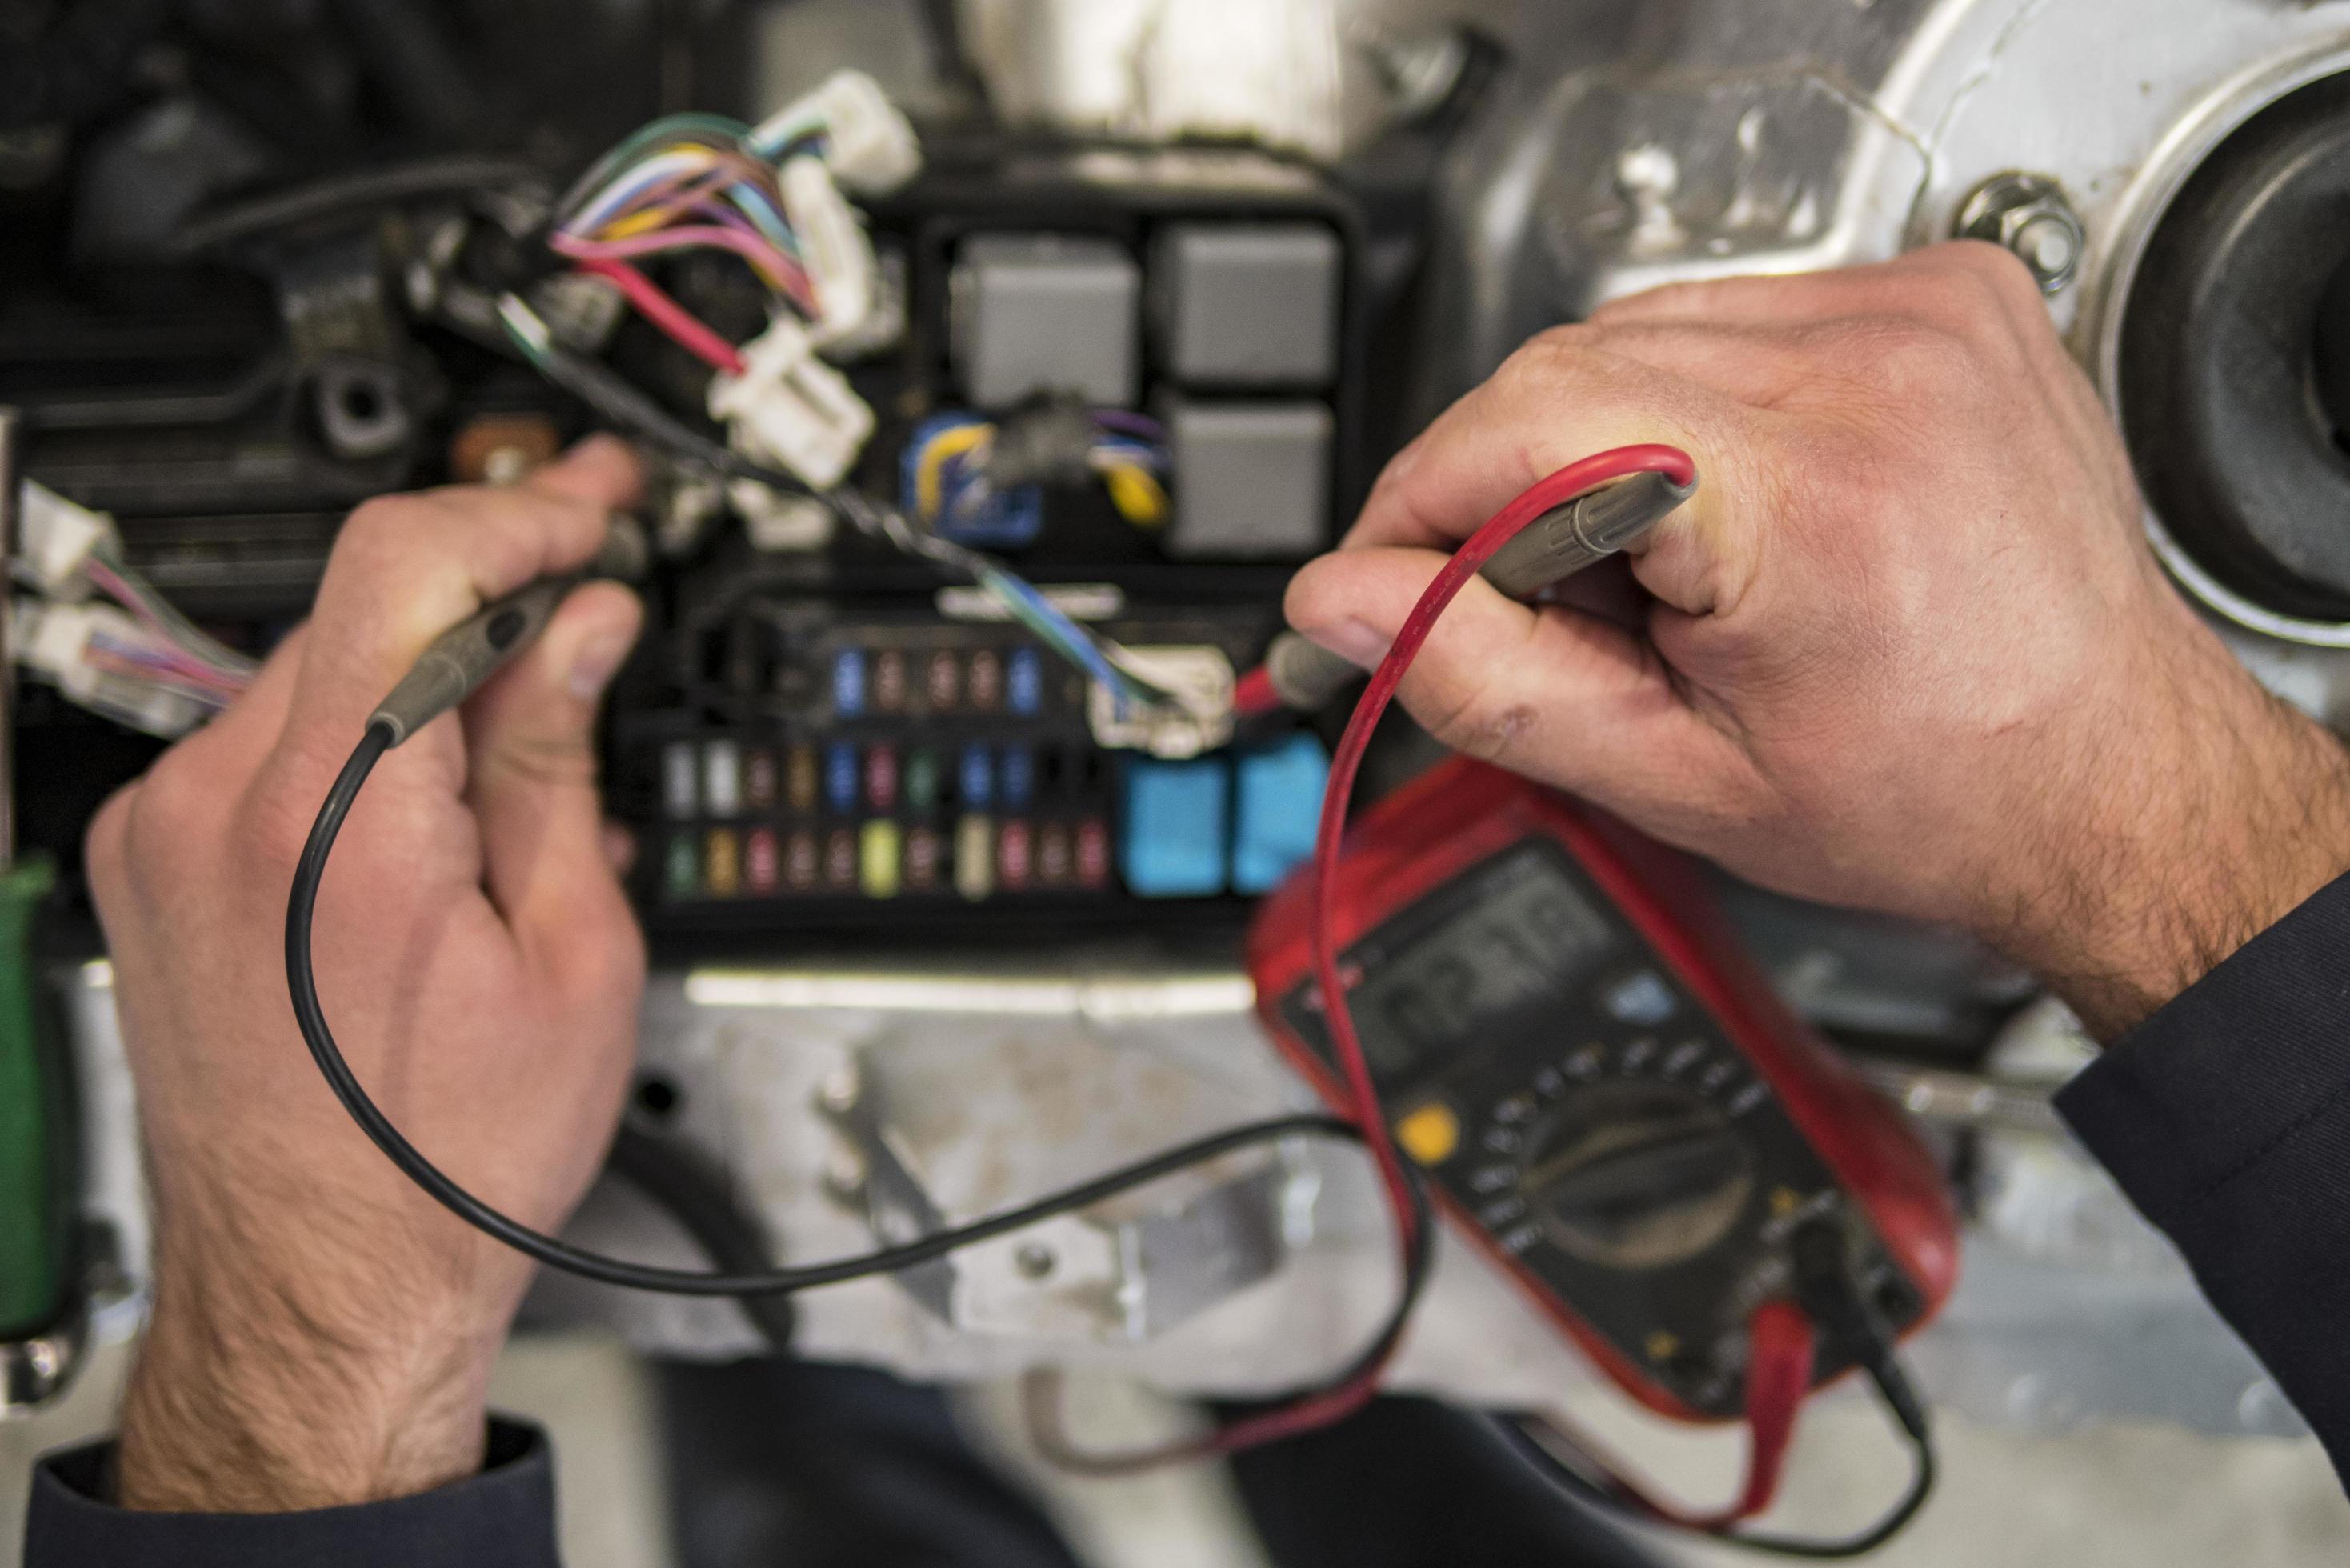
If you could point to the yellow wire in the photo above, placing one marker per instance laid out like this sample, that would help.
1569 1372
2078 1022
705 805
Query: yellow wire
1136 493
935 453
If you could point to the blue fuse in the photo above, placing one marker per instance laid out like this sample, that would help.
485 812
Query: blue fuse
978 779
1019 777
1023 683
1278 808
840 777
1178 821
848 683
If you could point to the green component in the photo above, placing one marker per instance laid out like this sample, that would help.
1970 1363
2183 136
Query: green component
684 868
38 1156
923 777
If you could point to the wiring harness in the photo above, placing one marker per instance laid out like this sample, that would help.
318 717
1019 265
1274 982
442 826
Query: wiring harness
770 196
87 624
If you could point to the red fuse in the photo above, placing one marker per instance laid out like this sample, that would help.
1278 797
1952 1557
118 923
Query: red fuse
1093 853
762 860
881 777
924 854
1013 859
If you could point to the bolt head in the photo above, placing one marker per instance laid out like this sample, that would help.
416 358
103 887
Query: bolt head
843 1174
1035 1261
839 1093
2027 215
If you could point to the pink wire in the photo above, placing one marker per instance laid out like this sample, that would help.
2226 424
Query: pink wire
686 330
690 236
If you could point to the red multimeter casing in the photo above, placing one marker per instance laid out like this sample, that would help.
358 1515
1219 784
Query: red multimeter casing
1605 1093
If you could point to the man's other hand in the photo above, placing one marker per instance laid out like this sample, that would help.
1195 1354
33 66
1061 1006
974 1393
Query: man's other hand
323 1331
1906 649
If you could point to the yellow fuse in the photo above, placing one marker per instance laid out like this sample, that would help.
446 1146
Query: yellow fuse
974 870
1430 1134
877 860
721 864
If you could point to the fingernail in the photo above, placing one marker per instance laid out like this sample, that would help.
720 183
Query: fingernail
596 665
1352 641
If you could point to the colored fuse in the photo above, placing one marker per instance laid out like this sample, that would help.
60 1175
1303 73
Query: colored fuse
986 681
1014 861
924 851
881 777
762 860
684 867
841 776
721 863
1055 862
942 682
759 779
1093 853
848 683
978 778
722 779
801 862
680 780
800 779
974 857
922 782
1019 777
889 681
840 861
877 860
1023 683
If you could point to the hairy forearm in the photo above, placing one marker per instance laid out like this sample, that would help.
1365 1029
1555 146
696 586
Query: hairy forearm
2205 839
249 1398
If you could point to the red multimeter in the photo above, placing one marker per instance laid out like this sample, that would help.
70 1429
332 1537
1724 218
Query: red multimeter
1604 1092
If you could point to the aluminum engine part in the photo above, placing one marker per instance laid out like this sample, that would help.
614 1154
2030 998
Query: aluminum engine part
1120 1272
2042 1333
1757 136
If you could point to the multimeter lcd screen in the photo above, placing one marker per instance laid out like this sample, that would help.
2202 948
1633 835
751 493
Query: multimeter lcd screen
1527 931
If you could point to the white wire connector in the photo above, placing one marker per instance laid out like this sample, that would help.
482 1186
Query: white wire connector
52 642
870 146
1199 718
56 539
790 409
833 248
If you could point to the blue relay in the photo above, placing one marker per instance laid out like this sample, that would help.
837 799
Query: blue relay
1178 820
1277 807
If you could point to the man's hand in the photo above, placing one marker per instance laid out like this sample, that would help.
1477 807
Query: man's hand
1906 649
323 1331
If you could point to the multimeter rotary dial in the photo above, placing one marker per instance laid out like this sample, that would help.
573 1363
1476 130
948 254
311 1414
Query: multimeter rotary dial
1636 1175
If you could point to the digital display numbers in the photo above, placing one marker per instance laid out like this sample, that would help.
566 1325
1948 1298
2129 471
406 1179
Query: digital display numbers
1527 930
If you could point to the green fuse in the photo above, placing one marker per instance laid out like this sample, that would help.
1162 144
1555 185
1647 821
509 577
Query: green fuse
684 866
922 779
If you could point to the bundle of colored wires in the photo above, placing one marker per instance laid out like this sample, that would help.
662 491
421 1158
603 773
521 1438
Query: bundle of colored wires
172 646
686 182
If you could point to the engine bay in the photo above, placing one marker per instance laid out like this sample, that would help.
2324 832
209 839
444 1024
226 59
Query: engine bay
996 366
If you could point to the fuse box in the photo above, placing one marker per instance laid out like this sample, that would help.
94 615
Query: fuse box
826 759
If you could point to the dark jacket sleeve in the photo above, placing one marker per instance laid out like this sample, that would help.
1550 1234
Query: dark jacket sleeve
503 1517
2225 1117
